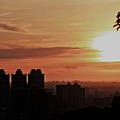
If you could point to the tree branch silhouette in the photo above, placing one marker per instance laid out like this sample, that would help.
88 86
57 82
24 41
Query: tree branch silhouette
117 21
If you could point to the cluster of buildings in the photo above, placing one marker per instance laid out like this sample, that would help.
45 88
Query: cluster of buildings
24 95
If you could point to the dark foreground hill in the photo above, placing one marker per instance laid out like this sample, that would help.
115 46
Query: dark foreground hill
89 113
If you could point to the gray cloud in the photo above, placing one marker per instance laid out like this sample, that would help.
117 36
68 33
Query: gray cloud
11 27
22 53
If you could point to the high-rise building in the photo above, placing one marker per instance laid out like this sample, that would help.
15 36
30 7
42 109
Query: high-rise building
70 97
4 80
40 102
36 78
18 79
4 89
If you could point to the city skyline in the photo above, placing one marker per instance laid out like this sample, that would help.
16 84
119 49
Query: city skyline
69 40
28 101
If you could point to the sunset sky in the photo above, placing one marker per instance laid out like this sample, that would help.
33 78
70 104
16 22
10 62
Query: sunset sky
67 39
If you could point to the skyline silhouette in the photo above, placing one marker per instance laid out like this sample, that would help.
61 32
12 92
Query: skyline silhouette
32 100
59 60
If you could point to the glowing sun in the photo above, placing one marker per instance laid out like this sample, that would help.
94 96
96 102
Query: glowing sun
108 44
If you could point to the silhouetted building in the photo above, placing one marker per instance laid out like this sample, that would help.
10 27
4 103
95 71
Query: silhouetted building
4 89
36 78
39 102
11 110
50 101
70 97
4 80
18 79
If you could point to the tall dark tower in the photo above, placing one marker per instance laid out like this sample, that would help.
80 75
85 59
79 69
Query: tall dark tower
4 80
4 89
36 78
18 79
